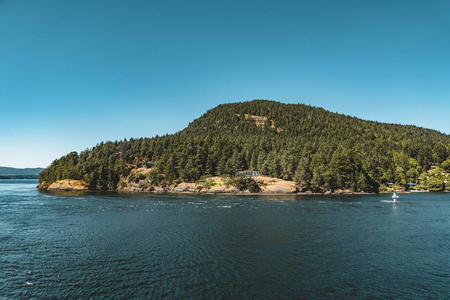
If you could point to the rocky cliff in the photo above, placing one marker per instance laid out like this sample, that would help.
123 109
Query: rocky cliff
64 185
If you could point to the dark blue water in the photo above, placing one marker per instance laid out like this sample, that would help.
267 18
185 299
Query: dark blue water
121 246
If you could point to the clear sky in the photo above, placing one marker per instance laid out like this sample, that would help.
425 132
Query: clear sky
75 73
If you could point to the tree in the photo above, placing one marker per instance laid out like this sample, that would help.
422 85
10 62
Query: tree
435 184
303 174
243 183
446 165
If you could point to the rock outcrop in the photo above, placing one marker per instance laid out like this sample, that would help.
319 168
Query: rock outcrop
276 186
212 185
64 185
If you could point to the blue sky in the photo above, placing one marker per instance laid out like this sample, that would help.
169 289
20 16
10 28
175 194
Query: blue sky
75 73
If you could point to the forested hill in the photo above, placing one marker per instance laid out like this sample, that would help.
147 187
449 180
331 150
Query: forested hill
314 147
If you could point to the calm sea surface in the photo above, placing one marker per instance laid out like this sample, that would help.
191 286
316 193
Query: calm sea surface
121 246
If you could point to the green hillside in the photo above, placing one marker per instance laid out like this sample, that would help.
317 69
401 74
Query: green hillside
318 149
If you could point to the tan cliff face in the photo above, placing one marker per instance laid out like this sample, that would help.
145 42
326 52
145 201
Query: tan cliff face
268 185
276 185
213 185
65 185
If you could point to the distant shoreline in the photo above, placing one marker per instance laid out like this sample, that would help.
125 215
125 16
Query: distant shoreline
19 177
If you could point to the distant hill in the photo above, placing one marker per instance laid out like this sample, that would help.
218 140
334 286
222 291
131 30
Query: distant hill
6 172
318 149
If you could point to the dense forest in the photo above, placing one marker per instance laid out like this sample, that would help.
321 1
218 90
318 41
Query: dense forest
318 149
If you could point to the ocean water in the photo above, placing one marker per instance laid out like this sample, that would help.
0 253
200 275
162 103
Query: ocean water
147 246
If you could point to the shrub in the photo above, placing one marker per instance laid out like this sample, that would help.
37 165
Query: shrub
145 184
122 184
207 183
136 177
243 183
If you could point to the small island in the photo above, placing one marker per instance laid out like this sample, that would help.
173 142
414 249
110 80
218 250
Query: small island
264 146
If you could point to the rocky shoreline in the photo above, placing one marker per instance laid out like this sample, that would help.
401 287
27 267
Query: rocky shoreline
269 186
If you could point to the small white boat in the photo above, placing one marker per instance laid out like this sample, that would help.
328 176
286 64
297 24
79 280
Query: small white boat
395 197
